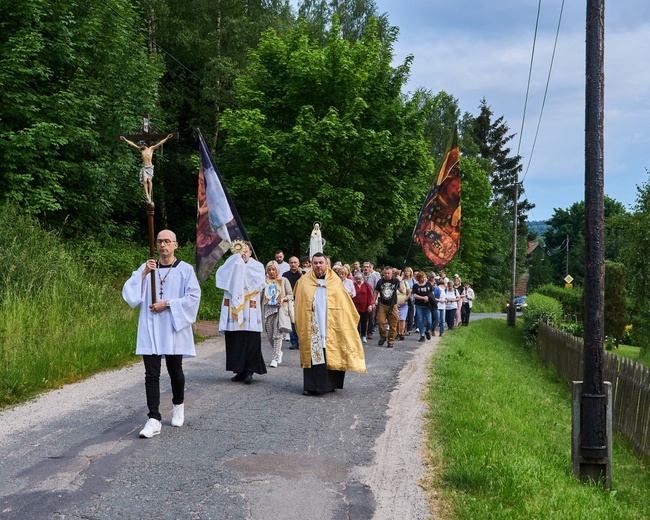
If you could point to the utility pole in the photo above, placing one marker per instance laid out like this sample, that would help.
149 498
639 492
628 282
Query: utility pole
567 256
594 461
512 312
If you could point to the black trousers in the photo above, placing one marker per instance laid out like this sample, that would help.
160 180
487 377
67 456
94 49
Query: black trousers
450 317
320 379
410 316
363 323
152 364
465 311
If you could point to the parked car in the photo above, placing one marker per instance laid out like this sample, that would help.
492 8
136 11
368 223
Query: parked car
520 303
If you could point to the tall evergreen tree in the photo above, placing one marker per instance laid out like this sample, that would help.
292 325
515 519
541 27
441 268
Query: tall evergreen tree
492 137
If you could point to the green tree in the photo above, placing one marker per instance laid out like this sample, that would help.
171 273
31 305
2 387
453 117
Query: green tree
487 140
492 137
353 17
65 97
324 134
476 237
568 226
477 240
441 116
204 45
541 272
616 316
634 243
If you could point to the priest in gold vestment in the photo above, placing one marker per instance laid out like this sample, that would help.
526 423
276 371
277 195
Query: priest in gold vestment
326 323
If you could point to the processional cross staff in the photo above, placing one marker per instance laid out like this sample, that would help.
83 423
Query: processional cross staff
145 140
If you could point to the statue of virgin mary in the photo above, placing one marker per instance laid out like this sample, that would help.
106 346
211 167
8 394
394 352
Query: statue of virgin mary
316 241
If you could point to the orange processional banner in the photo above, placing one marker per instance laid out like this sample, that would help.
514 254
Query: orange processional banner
438 227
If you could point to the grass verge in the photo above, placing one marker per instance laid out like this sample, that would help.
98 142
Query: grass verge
60 337
59 321
500 436
628 351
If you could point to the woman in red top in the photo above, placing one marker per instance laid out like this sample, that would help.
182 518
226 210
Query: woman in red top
363 303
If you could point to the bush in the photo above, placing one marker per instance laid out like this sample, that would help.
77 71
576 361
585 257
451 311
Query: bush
574 328
640 332
30 258
110 257
572 300
116 259
540 307
488 301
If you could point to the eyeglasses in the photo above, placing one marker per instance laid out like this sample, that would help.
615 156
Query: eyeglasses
165 241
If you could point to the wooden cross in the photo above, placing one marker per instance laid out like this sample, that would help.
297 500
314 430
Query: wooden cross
147 136
147 133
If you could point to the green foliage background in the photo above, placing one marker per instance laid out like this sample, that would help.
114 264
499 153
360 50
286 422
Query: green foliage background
304 112
59 321
73 75
306 115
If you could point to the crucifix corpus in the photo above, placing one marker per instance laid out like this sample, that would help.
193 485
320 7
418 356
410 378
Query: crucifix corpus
145 143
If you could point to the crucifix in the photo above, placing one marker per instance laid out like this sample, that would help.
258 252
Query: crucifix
145 140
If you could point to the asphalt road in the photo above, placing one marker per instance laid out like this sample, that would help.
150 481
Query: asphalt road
259 451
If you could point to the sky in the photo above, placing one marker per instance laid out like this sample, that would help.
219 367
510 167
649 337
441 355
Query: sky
475 49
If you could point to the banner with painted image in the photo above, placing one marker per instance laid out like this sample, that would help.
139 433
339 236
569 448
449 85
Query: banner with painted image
217 220
438 227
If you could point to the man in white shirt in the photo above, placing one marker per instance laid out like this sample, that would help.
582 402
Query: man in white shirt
282 265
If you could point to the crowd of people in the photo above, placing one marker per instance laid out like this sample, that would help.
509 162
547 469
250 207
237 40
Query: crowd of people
396 303
327 311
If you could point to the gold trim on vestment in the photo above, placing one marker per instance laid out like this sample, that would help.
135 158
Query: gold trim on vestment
344 350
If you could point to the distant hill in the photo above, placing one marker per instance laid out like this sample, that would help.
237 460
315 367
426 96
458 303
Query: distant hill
538 226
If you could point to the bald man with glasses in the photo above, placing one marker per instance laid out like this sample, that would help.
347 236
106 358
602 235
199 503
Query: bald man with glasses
164 327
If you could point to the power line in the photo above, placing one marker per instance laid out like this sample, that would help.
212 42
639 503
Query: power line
548 80
530 73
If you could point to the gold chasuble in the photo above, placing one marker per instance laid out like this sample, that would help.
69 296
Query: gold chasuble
344 350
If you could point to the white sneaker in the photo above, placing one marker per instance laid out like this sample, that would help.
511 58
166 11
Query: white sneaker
273 363
151 428
280 358
178 414
363 339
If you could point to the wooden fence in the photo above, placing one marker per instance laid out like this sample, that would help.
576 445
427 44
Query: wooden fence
630 382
